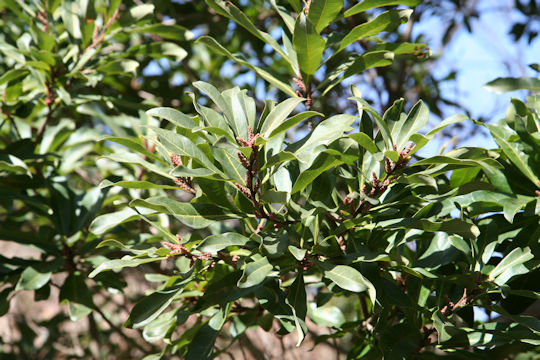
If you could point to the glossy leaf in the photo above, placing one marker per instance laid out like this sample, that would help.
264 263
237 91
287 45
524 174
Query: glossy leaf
181 145
106 222
255 273
320 165
173 116
511 265
277 116
370 4
387 21
196 215
151 306
514 153
203 342
502 85
217 47
309 46
346 277
323 12
215 243
126 261
31 279
292 121
230 10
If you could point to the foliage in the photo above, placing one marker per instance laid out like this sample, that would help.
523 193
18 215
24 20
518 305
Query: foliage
246 216
63 90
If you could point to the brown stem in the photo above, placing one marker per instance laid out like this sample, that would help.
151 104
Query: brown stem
379 186
99 38
49 101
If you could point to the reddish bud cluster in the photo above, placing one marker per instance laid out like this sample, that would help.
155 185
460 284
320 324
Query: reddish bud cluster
379 186
300 83
185 183
181 250
175 159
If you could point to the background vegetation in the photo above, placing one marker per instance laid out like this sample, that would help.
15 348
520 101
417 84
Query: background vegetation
140 215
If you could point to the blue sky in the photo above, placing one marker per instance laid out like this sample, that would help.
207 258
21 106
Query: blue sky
479 57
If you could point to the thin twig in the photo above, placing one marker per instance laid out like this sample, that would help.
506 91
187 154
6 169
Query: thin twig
99 38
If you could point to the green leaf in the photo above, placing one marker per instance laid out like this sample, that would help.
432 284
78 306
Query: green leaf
279 158
238 121
255 273
172 238
76 294
323 12
502 85
174 116
202 344
405 50
119 67
215 243
13 164
169 32
137 185
12 75
151 306
453 226
227 156
216 97
277 116
309 47
514 153
297 296
275 197
132 158
414 122
194 173
297 300
126 261
346 277
70 18
387 21
511 265
183 146
325 133
230 10
31 279
298 254
446 122
322 163
330 316
284 13
441 325
273 80
196 215
441 159
370 59
370 4
292 121
140 11
104 223
55 135
384 130
159 327
159 50
365 141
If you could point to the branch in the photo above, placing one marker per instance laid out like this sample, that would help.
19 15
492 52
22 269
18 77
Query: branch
379 186
97 38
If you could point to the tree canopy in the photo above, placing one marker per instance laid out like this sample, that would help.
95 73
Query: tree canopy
180 176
